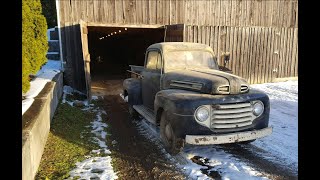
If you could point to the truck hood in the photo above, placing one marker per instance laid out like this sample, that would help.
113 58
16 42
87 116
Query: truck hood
205 81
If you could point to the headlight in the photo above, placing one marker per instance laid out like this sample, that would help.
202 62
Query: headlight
258 108
202 113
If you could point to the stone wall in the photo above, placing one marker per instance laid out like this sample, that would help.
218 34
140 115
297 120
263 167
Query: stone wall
36 125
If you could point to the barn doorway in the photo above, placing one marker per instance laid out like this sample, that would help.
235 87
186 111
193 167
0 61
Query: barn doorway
113 49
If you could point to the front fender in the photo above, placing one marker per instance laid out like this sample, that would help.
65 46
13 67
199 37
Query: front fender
133 87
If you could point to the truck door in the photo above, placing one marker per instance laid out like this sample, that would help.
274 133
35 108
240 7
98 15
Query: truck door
151 77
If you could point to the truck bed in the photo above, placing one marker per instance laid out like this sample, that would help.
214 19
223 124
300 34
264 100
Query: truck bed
135 71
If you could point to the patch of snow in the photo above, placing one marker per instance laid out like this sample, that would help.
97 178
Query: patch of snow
67 89
283 142
94 97
96 167
44 75
52 52
124 98
99 167
26 103
227 166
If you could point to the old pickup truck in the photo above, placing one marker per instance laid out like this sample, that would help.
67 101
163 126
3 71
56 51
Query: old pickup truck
181 89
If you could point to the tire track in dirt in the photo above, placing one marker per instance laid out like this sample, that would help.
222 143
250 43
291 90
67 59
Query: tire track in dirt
135 156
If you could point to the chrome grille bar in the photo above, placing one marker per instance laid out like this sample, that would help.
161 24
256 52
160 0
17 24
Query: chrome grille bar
226 116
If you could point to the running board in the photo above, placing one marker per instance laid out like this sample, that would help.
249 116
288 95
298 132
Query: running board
145 112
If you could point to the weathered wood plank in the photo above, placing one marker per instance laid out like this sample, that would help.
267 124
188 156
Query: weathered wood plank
259 55
263 71
281 52
234 49
238 51
294 52
203 35
244 52
277 52
241 52
296 56
247 52
267 62
288 53
231 49
250 54
254 55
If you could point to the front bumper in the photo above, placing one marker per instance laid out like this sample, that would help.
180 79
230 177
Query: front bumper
227 138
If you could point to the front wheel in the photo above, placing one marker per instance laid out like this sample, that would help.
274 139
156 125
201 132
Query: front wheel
247 142
133 113
172 144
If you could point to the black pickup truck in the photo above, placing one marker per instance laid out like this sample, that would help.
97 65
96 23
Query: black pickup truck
181 89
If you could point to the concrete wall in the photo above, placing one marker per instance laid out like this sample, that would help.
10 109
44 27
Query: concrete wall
36 125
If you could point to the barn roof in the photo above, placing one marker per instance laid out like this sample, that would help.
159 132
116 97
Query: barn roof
167 46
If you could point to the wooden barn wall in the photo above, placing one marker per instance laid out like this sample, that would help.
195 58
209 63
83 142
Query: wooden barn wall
265 13
258 54
261 35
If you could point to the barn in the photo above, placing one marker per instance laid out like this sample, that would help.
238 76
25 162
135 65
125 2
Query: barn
100 38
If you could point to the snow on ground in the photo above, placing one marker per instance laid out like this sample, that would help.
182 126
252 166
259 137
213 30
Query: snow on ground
225 164
124 98
44 75
283 142
95 167
281 145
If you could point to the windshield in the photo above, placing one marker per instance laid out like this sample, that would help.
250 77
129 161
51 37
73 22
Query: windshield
190 59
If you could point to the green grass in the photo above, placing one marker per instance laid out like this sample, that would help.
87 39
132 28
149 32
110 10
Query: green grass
64 145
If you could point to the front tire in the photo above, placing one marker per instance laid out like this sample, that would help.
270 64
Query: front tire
172 144
132 112
247 142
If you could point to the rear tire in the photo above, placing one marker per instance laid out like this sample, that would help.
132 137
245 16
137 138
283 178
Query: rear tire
172 144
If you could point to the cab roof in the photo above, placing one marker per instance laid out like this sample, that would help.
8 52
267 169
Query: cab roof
169 46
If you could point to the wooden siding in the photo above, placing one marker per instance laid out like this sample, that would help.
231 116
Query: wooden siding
266 13
261 35
258 54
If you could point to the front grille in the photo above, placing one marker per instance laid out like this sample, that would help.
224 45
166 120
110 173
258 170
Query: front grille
244 88
231 116
224 89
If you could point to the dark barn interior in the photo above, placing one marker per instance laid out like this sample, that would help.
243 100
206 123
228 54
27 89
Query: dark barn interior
113 49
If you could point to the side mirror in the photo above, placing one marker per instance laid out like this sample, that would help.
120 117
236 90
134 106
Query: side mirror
226 58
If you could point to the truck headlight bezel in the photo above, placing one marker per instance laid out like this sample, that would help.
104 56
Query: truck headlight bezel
257 108
202 113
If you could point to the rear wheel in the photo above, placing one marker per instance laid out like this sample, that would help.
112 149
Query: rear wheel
172 144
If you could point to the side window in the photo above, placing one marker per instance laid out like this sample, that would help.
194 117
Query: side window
159 62
153 60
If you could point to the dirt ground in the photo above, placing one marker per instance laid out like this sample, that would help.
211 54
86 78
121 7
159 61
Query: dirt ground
134 156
